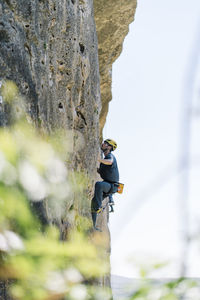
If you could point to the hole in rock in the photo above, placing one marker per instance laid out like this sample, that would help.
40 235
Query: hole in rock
60 106
82 48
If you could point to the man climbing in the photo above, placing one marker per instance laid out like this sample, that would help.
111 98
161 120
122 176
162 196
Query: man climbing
108 171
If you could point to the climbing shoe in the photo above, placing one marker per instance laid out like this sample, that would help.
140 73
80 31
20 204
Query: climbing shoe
97 211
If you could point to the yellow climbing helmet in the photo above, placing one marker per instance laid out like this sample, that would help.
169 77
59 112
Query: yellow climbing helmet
111 143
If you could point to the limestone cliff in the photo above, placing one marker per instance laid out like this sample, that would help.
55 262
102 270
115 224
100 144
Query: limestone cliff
112 21
50 50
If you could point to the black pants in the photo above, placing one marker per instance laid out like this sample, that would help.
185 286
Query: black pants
101 187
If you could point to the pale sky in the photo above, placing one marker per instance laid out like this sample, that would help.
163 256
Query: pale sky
144 118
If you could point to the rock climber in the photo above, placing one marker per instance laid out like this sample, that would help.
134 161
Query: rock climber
108 171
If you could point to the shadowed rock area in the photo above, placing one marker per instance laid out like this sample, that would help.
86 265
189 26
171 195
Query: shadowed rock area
49 49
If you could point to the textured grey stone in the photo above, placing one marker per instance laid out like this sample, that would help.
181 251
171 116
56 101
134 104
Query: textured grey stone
49 49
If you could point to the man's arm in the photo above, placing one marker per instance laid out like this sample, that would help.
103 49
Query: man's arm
108 161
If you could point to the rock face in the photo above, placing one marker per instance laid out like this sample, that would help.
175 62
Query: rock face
112 21
50 50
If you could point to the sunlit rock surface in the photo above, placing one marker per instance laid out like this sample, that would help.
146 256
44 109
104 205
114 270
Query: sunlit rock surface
112 21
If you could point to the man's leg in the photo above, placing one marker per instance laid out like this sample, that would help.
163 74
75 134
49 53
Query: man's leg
100 188
111 201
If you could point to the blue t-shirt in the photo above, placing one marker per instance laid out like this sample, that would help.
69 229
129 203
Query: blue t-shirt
109 173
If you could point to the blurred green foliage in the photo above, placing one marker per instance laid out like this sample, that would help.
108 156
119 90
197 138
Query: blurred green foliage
33 171
167 289
41 264
164 289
